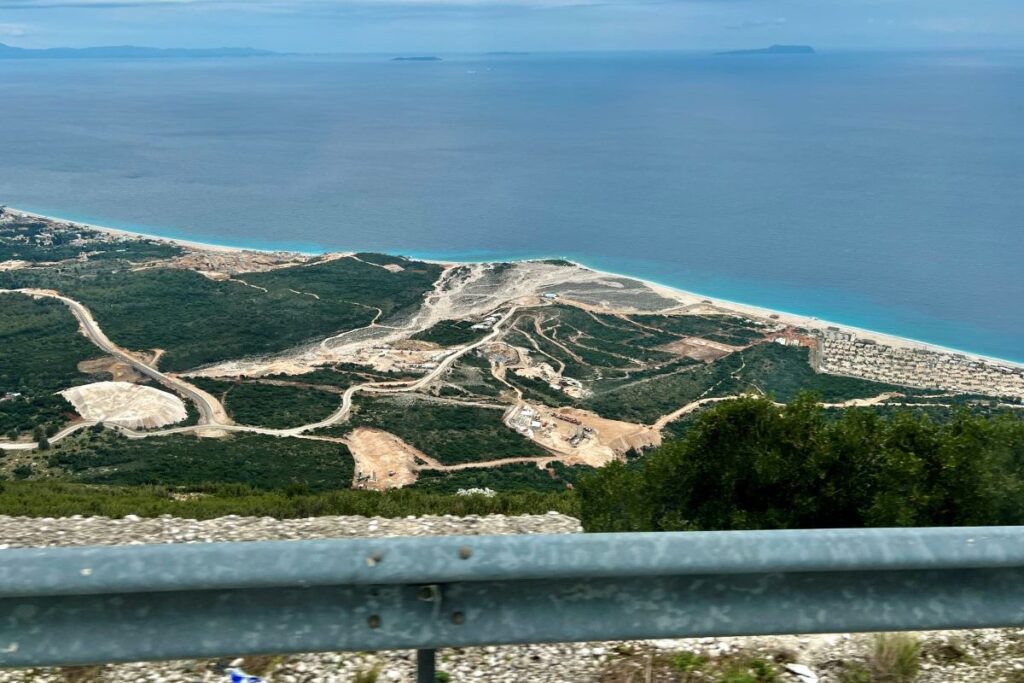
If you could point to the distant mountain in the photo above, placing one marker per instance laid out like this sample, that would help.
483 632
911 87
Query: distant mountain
774 50
126 52
416 59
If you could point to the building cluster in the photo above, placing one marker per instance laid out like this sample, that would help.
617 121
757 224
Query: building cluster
526 421
844 354
541 426
487 323
786 341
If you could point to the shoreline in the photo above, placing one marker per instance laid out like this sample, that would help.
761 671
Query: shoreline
685 297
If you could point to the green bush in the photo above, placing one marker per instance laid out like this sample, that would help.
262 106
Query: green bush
749 464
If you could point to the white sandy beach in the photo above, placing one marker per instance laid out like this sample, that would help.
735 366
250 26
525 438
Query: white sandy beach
674 293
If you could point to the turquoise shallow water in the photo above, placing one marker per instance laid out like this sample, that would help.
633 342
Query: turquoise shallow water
881 191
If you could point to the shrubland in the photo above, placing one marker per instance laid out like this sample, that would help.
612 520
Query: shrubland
750 464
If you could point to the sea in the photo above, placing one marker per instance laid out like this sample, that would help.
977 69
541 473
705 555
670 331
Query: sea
881 190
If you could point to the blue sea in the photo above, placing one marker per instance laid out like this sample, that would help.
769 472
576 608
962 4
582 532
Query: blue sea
883 190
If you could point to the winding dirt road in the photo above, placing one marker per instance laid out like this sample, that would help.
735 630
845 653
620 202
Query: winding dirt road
211 412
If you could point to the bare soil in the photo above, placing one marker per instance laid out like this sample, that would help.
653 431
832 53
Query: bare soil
118 370
383 461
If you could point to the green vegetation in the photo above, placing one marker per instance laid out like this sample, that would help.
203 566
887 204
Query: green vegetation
524 324
688 667
749 464
371 675
450 433
539 391
23 414
896 658
785 371
726 329
632 379
255 460
778 371
271 405
37 241
341 376
472 373
61 499
200 321
386 259
40 349
451 333
515 477
607 340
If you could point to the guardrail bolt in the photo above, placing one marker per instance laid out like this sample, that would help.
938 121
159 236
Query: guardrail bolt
465 552
373 621
374 559
458 617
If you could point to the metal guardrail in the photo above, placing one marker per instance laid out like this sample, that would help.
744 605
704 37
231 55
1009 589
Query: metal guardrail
62 606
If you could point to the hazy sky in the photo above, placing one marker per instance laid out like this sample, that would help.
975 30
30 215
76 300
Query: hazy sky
472 25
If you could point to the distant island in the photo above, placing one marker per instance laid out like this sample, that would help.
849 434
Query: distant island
127 52
430 58
774 50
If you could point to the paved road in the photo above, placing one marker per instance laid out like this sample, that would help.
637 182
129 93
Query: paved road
211 412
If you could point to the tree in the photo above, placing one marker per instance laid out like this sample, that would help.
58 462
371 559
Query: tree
750 464
611 499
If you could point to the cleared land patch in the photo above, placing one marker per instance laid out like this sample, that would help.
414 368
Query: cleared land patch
699 349
450 433
382 460
118 370
586 437
129 405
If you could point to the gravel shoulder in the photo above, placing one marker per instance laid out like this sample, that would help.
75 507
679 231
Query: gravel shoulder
985 655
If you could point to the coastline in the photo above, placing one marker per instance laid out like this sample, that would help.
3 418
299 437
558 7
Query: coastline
685 297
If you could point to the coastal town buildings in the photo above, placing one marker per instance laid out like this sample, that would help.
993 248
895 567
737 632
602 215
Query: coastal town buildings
843 353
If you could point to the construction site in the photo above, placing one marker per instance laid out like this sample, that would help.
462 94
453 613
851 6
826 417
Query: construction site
578 436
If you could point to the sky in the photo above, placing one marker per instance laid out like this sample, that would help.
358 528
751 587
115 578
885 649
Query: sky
533 25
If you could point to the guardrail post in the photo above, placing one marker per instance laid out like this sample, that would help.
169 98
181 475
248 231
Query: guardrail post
426 666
